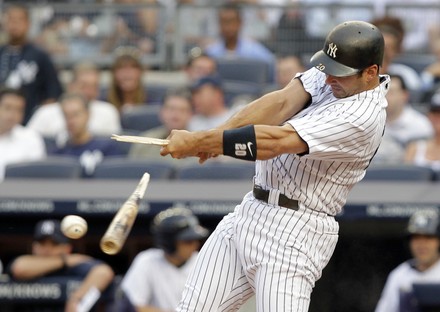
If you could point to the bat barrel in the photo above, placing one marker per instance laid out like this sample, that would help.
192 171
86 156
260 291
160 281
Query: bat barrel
110 247
118 230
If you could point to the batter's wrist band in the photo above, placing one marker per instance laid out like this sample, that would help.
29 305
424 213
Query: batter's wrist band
240 143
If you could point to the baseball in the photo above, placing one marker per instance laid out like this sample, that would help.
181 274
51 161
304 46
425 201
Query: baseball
73 226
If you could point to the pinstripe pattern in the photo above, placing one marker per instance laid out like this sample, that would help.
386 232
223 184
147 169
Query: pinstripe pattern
342 134
280 253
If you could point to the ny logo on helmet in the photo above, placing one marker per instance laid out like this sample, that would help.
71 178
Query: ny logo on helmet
332 48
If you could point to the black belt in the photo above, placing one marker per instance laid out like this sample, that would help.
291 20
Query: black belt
283 200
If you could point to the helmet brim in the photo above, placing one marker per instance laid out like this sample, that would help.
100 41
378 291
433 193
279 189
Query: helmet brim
326 64
196 232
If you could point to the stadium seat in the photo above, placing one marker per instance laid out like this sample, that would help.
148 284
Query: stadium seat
416 62
50 144
243 69
216 171
234 89
436 176
53 167
156 92
125 168
141 118
399 173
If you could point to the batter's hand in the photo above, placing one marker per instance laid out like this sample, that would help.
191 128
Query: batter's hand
205 156
181 144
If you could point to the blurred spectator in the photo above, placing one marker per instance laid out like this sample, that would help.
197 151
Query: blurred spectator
326 14
431 74
89 149
290 33
175 113
199 65
424 242
52 256
156 278
17 143
232 44
287 68
126 86
209 104
258 21
426 153
52 35
390 151
134 26
24 65
417 17
404 122
48 120
394 33
192 21
68 34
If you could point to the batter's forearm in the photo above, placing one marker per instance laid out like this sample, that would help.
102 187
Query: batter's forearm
271 141
262 111
272 109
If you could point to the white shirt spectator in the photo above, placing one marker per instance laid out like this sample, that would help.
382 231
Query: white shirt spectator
409 126
49 121
417 20
20 144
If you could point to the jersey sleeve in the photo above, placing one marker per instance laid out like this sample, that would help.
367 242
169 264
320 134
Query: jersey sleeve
340 129
313 82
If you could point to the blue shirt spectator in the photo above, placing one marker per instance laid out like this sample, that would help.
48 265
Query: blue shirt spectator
231 44
81 143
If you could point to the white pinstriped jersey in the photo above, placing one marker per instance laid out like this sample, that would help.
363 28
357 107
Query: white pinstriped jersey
343 136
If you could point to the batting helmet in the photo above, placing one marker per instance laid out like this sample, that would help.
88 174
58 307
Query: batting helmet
349 48
176 224
424 222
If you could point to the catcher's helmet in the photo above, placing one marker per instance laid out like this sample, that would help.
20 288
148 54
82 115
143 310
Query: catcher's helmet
424 222
349 48
174 224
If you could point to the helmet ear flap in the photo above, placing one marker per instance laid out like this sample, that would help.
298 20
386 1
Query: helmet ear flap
165 241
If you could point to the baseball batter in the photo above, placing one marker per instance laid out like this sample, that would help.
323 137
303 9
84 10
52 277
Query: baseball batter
312 142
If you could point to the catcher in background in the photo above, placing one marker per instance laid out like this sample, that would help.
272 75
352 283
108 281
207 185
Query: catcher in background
424 243
156 278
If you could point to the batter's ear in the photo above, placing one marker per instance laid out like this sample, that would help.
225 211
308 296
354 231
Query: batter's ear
371 72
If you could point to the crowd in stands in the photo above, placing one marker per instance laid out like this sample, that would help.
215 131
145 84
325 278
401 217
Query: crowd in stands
209 95
43 115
